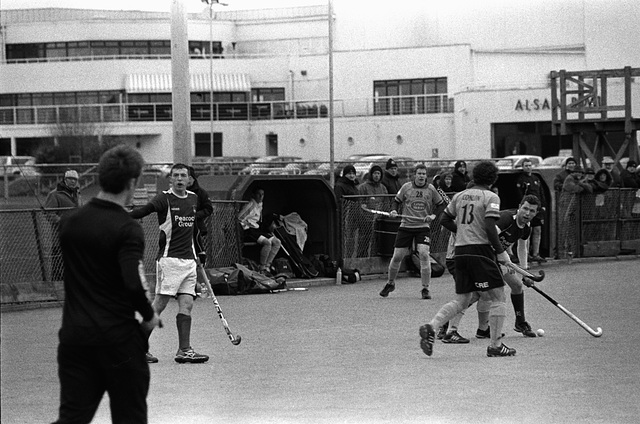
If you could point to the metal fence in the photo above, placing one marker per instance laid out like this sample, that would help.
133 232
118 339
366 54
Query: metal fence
31 266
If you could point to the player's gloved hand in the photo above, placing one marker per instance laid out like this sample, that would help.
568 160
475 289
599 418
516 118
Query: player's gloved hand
393 214
202 257
429 218
527 281
503 258
148 326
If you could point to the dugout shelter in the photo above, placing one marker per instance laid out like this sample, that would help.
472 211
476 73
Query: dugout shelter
308 195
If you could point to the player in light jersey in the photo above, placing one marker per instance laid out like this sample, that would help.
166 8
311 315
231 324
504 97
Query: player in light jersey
176 263
512 228
472 215
421 204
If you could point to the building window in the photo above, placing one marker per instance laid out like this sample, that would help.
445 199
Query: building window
411 96
205 147
259 95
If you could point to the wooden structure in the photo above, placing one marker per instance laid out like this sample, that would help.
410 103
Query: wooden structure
586 105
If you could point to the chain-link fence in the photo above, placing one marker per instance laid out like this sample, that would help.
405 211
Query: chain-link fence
596 217
31 268
366 234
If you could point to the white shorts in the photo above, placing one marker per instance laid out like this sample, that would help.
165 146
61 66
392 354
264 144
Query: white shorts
176 276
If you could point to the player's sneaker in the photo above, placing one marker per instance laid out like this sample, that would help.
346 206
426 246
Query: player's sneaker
189 356
538 259
525 329
427 337
425 294
388 288
454 338
503 350
483 334
151 359
443 331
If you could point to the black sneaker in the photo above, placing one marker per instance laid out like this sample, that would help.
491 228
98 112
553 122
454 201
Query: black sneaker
426 294
483 334
538 259
454 338
388 288
151 359
443 331
190 356
525 329
427 337
503 350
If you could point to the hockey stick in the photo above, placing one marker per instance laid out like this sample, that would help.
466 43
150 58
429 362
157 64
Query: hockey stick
383 213
594 333
235 340
525 273
289 289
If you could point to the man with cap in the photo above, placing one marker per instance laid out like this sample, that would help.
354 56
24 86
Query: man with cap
391 177
607 163
347 185
66 195
568 166
460 177
375 193
628 177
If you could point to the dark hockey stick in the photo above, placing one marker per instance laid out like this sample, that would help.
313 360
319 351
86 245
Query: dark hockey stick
525 273
594 333
235 340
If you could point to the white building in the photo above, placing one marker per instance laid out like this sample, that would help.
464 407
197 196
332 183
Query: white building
419 79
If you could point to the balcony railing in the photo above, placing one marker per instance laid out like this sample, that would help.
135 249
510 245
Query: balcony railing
157 112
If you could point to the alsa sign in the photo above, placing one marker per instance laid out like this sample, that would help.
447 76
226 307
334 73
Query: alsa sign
532 105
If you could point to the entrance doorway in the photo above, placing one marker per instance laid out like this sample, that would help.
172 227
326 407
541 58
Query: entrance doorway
527 138
272 144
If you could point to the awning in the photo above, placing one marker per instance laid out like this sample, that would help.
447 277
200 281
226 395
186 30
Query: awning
161 83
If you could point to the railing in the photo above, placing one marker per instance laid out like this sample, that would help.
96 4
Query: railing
156 112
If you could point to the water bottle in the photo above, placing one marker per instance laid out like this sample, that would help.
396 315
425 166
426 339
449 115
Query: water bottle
339 276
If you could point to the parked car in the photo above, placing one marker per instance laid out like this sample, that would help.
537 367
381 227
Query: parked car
274 165
18 166
227 165
515 161
556 162
365 163
357 157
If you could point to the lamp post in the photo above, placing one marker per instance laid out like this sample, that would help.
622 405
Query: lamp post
332 163
211 3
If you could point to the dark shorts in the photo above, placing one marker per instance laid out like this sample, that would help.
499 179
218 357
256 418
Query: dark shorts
476 269
406 236
253 234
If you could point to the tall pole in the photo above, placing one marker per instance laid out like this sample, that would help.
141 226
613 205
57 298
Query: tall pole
332 164
211 75
180 87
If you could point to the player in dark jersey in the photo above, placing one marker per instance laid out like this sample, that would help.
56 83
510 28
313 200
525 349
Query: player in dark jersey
472 215
512 228
102 345
421 204
176 263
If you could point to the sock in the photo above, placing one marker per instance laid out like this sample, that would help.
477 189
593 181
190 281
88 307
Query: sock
425 272
518 306
393 272
183 322
483 308
496 320
446 313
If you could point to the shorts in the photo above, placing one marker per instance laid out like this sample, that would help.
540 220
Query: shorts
476 269
176 276
253 234
406 236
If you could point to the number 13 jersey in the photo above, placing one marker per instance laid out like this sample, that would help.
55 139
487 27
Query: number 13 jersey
469 208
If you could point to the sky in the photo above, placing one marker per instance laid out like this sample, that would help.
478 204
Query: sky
193 6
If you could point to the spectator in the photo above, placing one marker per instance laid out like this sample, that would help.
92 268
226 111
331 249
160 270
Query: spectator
347 185
568 168
607 163
65 195
374 191
445 184
529 183
391 178
259 231
569 210
628 177
460 177
601 180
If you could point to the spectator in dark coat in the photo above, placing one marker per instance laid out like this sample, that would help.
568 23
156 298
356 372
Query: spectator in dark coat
347 185
628 177
559 179
460 177
391 178
607 163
